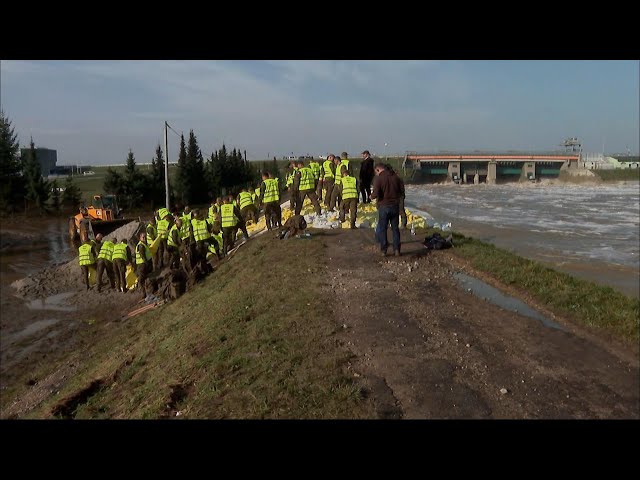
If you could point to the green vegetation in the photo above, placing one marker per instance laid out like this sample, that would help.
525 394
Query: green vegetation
38 189
12 185
239 345
618 174
583 301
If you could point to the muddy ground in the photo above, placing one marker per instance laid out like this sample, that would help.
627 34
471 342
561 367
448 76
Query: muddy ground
423 347
426 348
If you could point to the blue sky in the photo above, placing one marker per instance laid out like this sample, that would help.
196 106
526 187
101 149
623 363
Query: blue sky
93 112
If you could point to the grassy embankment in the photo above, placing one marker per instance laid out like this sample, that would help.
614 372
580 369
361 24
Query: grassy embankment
254 340
583 301
618 174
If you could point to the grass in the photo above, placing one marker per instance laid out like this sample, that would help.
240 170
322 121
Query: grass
583 301
254 340
618 174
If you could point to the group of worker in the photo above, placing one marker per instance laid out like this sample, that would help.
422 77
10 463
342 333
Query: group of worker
190 237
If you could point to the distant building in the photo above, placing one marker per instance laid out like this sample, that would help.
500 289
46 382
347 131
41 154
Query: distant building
46 157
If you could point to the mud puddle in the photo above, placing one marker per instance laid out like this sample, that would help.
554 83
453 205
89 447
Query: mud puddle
495 296
53 302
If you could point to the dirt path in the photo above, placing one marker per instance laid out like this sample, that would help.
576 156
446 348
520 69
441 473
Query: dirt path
426 348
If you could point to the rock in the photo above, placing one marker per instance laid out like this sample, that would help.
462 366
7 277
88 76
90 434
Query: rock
468 345
504 391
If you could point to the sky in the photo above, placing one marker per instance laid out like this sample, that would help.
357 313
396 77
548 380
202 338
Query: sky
93 112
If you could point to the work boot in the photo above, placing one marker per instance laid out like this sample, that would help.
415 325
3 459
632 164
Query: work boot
396 253
383 253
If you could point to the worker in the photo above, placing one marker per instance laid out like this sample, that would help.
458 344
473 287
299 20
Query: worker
306 185
174 243
231 220
335 195
349 194
293 194
97 243
163 232
213 210
143 263
186 213
327 174
105 263
256 199
246 205
152 231
295 225
270 198
86 258
121 258
315 169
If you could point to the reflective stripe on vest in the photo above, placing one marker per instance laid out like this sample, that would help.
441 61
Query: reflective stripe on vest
151 232
119 252
85 255
327 169
163 228
213 209
315 168
349 187
245 199
339 168
163 212
147 254
106 251
307 181
199 230
170 241
184 230
271 193
228 217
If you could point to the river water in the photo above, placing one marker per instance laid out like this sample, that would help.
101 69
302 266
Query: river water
590 231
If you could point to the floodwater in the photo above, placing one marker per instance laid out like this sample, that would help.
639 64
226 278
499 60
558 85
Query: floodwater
590 231
495 296
29 245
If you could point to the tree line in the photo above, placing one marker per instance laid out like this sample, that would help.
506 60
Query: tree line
22 186
197 180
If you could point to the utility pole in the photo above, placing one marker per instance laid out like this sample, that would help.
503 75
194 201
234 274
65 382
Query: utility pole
166 163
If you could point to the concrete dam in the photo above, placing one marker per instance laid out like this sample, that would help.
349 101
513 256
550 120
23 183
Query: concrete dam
487 167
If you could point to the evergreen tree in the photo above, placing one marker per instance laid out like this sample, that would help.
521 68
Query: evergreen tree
135 183
214 175
55 197
12 185
157 187
37 188
196 187
113 182
274 169
71 197
182 177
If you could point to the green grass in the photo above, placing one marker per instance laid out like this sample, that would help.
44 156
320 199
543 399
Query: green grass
583 301
618 174
254 340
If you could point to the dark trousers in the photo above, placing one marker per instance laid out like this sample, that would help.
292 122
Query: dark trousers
388 215
335 197
294 199
249 213
319 189
273 214
314 200
174 256
101 267
85 274
142 272
120 271
403 213
160 262
228 238
365 190
328 186
352 205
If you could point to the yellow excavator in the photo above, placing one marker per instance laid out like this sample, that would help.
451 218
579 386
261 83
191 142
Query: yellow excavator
102 216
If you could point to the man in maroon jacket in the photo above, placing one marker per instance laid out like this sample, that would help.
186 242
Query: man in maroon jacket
388 189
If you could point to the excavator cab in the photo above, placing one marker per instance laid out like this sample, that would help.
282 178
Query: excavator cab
103 216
